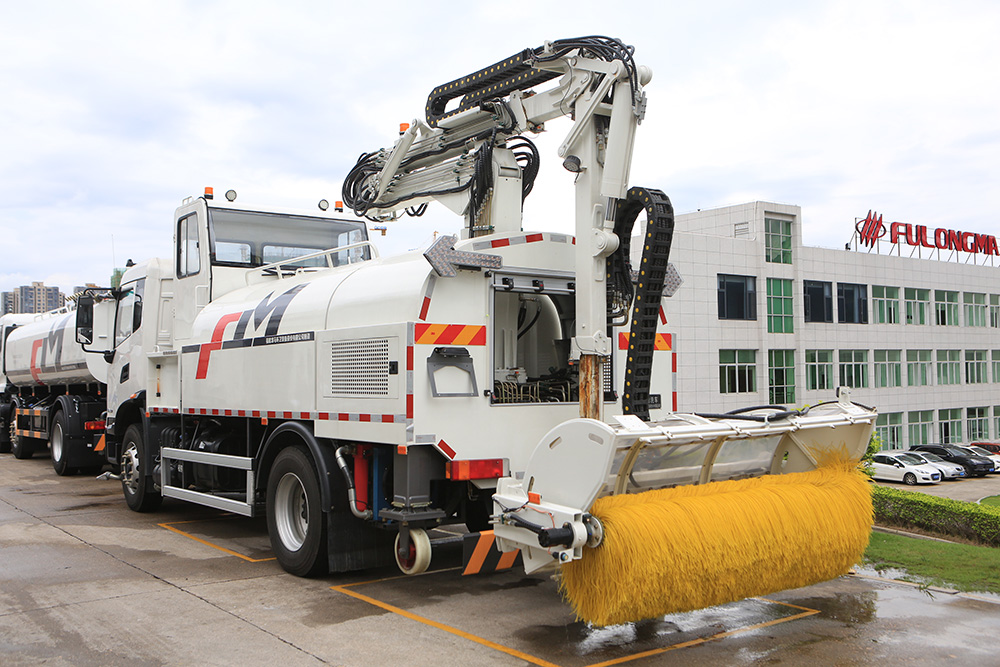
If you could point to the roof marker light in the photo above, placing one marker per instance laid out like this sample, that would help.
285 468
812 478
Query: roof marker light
403 127
231 195
209 193
338 206
323 204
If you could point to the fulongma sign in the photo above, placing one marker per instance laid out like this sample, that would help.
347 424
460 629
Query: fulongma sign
871 229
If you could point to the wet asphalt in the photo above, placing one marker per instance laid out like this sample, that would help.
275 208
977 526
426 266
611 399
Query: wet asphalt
85 581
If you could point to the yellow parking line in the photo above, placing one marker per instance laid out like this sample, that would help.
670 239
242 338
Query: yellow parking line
441 626
704 640
170 527
805 612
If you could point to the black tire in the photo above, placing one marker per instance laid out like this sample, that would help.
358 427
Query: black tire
137 485
60 447
909 479
296 522
21 447
6 409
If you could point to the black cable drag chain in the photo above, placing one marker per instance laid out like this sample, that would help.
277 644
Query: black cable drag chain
649 290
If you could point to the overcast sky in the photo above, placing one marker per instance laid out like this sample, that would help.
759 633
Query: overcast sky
112 112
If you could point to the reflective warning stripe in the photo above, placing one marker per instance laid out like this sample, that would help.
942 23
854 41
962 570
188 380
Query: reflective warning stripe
480 555
449 334
663 341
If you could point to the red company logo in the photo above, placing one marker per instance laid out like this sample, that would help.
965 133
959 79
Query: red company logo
870 229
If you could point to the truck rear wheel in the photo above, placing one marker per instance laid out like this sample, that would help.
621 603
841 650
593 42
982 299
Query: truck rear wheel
296 522
59 446
136 484
20 447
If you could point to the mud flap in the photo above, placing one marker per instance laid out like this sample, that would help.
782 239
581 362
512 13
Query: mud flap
353 544
480 554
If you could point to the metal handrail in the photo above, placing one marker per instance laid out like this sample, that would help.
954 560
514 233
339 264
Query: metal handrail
280 273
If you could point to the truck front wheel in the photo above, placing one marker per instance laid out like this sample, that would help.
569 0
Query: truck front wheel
296 522
60 451
136 484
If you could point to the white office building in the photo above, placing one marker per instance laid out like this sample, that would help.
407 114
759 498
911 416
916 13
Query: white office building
763 319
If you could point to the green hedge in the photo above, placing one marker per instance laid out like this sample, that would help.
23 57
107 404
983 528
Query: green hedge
908 509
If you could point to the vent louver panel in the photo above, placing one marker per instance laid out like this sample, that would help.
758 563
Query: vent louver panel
359 368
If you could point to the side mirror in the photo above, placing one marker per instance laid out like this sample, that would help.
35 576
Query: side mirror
85 319
95 321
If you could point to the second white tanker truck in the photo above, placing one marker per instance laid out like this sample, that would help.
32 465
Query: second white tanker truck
48 396
507 379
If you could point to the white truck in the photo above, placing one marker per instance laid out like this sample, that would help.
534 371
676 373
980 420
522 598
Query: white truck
48 396
282 366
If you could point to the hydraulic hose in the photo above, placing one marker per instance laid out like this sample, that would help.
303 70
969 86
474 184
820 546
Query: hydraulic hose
351 497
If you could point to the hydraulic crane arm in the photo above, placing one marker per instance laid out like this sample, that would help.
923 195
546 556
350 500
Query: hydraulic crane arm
468 154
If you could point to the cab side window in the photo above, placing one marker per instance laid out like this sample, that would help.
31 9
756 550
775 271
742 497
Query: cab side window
188 255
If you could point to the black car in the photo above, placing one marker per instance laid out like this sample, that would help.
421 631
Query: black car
975 466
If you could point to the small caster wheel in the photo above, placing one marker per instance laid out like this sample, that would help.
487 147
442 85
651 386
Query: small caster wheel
418 556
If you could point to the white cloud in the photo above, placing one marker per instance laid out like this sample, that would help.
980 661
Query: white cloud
115 111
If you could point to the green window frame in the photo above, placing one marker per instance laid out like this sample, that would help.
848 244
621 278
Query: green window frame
975 367
888 368
945 308
819 369
975 309
889 429
920 424
885 301
781 376
950 425
949 369
778 241
918 303
737 371
854 369
780 314
918 368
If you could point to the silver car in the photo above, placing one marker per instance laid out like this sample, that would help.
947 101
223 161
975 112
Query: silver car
948 469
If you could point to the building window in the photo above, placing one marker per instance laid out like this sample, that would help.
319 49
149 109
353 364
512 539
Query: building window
779 305
737 371
918 368
885 301
888 368
920 423
975 366
781 376
918 304
889 429
778 241
996 420
995 311
996 369
948 367
852 303
950 426
818 297
978 423
975 309
854 369
737 297
945 308
819 369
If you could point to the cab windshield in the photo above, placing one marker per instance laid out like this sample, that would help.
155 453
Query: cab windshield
249 239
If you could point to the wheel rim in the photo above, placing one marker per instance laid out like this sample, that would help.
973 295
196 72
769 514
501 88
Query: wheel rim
130 469
57 442
291 511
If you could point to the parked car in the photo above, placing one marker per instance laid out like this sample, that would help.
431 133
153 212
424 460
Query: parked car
989 446
904 467
986 454
975 465
949 471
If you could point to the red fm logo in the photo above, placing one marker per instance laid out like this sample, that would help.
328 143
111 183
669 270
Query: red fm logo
271 311
870 229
